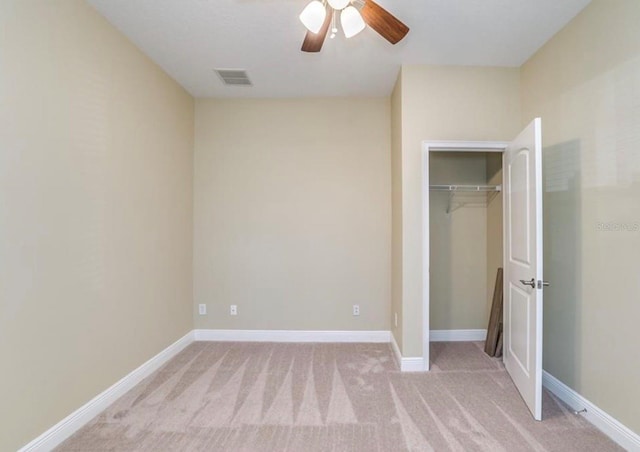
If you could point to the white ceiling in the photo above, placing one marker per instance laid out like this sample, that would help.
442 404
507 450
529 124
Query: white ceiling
189 38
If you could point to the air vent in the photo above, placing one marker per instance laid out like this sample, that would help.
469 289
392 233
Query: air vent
234 77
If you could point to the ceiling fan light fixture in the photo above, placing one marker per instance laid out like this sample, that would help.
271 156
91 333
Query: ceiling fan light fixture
339 4
352 22
313 16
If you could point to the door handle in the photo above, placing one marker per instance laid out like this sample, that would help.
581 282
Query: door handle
531 283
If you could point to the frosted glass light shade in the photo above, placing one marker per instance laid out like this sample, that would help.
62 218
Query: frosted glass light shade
352 22
313 16
338 4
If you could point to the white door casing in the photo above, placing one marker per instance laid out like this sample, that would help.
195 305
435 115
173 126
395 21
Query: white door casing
523 278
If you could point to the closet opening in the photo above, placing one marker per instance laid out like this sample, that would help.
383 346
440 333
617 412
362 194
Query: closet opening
463 210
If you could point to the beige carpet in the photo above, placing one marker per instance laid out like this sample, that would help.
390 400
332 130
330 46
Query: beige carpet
331 397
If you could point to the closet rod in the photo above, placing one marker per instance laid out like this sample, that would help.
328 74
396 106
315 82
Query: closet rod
466 188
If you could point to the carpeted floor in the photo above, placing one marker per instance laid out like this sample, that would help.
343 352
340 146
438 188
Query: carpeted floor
331 397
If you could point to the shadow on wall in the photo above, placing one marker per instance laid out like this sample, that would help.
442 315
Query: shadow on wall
562 258
441 262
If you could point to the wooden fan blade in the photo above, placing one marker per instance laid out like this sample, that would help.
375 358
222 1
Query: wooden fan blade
383 22
313 41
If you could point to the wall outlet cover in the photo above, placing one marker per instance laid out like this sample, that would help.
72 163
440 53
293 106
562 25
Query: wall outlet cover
356 309
202 309
233 309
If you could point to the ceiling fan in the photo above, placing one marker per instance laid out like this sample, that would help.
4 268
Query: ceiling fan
321 15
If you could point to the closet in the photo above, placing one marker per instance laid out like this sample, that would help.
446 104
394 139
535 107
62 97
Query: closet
466 242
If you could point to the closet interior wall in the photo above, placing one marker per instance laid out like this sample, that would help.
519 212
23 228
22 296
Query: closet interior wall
495 239
466 242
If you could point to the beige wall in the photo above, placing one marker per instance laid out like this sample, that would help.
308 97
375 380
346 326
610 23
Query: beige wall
585 84
458 251
495 258
95 211
293 213
396 211
444 103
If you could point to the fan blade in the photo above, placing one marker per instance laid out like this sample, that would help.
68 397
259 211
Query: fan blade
313 41
383 22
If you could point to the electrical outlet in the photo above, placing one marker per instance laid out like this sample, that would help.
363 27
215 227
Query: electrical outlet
233 309
356 309
396 318
202 309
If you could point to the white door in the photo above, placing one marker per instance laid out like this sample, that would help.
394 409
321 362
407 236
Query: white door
523 281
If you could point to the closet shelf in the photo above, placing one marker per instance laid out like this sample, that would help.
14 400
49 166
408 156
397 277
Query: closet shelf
466 188
465 195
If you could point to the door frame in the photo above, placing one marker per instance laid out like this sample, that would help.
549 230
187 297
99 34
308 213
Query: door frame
427 148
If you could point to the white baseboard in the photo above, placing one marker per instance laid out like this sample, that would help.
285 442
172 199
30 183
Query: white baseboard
408 364
412 364
380 336
599 418
76 420
457 335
